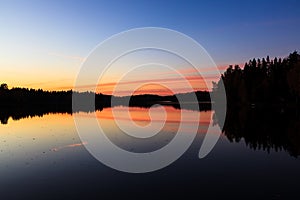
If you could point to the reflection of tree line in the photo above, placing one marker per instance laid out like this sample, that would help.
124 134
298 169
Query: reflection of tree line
262 103
264 129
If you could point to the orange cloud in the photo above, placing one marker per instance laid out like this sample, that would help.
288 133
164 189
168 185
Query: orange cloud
190 74
196 83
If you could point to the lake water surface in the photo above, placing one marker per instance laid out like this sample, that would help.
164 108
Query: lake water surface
43 157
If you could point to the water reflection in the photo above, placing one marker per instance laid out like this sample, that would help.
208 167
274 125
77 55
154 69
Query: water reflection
264 129
20 112
35 137
260 129
46 154
164 119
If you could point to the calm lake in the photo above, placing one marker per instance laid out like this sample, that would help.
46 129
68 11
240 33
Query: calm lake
43 157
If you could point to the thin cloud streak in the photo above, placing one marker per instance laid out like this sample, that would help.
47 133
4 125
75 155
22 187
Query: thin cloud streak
191 75
69 146
176 79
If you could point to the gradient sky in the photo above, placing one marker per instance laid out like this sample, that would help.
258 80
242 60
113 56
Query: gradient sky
43 43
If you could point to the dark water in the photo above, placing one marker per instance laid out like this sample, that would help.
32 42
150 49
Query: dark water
43 157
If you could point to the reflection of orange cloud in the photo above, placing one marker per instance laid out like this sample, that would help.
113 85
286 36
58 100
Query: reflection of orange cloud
142 117
69 146
137 114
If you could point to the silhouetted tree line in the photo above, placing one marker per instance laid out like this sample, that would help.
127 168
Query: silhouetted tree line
179 101
23 102
263 82
263 104
25 96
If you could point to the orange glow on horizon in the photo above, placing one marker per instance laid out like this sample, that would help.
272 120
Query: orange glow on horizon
108 85
156 86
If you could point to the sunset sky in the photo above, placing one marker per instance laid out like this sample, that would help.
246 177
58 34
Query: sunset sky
43 43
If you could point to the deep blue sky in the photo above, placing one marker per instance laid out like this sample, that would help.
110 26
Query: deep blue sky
231 31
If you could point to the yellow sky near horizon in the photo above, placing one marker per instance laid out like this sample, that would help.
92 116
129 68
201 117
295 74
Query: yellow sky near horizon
153 83
56 71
